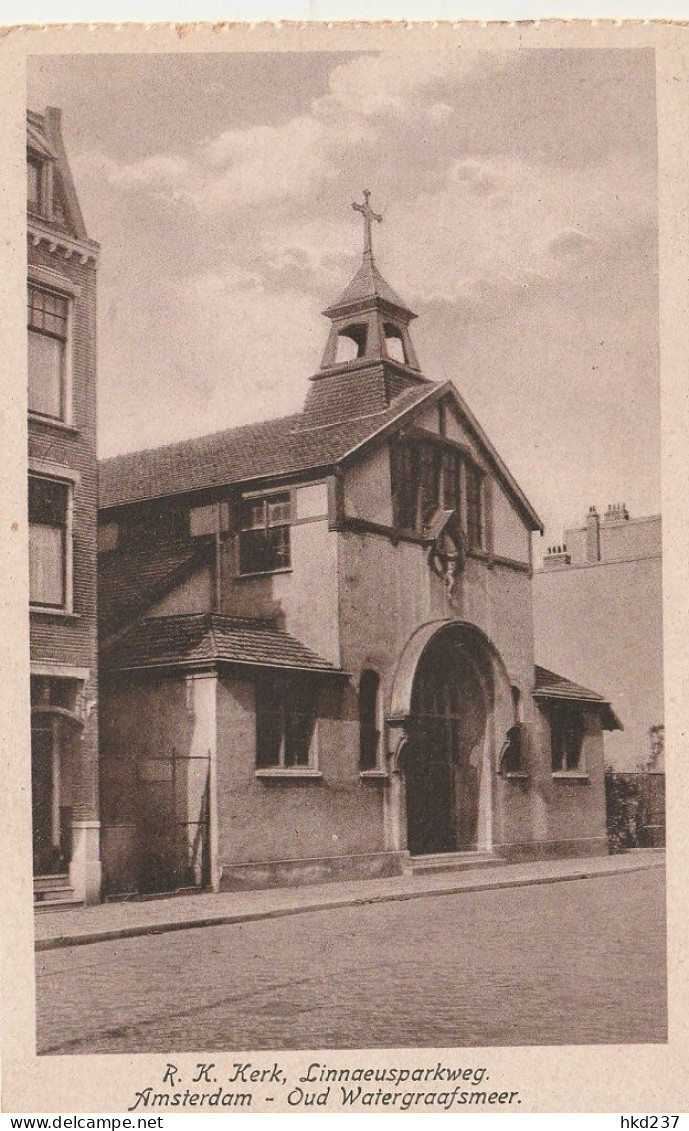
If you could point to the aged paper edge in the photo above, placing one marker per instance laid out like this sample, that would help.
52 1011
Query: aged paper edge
580 1078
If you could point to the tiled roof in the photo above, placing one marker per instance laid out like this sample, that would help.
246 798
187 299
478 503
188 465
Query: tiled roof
348 395
367 283
550 685
253 451
131 580
199 639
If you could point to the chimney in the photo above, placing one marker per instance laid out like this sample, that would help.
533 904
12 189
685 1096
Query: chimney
616 513
557 556
53 124
592 535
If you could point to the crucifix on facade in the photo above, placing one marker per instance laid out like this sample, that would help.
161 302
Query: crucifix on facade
368 215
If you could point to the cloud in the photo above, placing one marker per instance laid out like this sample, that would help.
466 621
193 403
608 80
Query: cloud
157 170
520 227
264 164
398 84
385 84
372 104
571 245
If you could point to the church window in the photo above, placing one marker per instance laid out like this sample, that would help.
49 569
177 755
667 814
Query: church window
474 504
566 736
426 476
429 483
49 542
450 480
264 536
404 463
512 752
370 722
285 722
48 321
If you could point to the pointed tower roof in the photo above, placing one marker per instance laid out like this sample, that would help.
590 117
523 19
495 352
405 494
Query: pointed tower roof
378 361
367 284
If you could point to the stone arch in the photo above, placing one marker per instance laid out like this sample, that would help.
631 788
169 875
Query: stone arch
450 702
419 641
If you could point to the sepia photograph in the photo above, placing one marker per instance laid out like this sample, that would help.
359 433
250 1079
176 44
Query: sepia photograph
345 563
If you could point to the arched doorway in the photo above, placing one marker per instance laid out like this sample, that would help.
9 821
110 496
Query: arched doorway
444 756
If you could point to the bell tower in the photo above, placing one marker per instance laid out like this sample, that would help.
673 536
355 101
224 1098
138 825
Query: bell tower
369 358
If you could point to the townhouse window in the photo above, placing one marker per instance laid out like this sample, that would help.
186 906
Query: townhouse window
48 323
264 535
370 723
49 542
285 722
566 737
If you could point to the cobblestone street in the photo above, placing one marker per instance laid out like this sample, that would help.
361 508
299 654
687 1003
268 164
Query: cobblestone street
576 962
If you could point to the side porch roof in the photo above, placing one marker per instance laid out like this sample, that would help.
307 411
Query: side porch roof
550 685
202 640
132 580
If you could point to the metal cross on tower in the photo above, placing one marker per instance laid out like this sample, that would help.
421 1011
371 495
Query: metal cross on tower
368 215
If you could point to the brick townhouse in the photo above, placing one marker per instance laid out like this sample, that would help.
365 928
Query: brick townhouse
62 263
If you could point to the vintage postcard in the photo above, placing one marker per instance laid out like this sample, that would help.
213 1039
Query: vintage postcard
344 584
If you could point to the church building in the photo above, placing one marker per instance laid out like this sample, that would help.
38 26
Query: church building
316 640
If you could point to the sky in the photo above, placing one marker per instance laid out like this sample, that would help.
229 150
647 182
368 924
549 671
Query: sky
518 191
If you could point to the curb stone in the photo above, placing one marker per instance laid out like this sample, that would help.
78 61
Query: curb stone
227 919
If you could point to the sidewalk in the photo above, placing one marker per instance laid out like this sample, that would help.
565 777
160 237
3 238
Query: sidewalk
177 913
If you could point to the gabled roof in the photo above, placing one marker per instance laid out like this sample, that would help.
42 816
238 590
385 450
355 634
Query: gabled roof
44 136
253 451
207 639
274 448
494 459
130 581
550 685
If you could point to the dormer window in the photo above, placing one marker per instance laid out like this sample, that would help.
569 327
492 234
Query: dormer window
34 188
39 185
